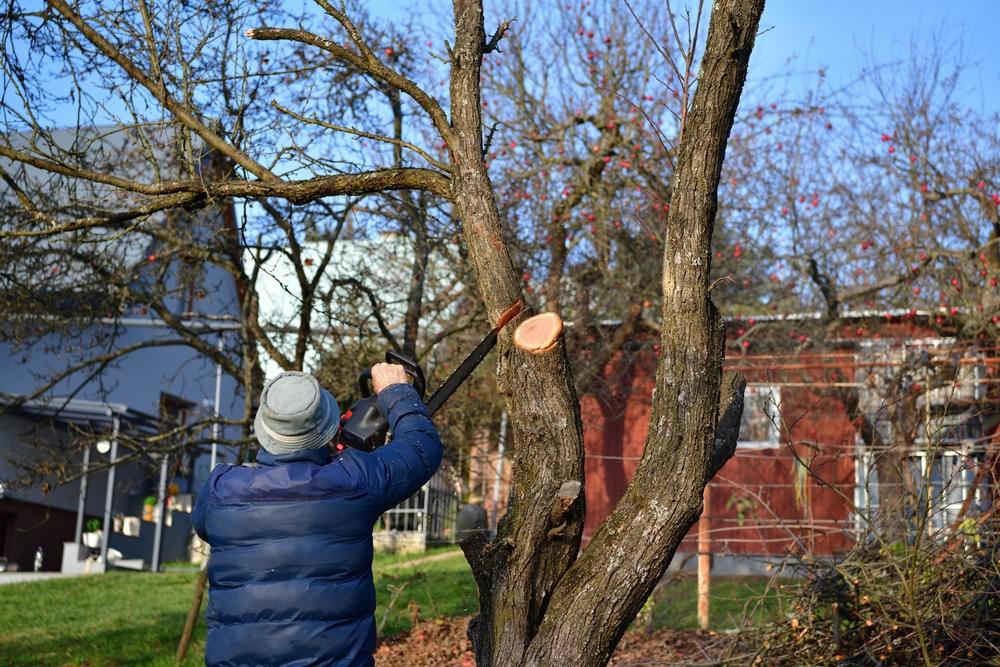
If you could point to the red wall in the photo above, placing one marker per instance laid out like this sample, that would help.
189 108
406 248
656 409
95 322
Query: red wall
763 501
614 429
760 503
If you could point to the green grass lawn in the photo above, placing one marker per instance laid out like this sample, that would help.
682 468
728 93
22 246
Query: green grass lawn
732 601
132 618
120 618
136 618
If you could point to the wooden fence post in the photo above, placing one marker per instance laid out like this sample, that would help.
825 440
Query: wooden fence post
704 559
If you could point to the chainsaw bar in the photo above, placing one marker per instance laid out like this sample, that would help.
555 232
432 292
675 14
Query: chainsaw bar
464 370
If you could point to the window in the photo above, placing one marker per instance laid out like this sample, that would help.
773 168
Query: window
174 411
942 481
866 500
761 413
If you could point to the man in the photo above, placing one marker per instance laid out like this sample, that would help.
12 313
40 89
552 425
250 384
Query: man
290 579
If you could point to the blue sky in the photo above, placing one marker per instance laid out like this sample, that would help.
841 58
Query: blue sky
842 36
845 35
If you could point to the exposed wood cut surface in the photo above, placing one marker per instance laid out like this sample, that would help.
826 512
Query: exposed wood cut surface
538 334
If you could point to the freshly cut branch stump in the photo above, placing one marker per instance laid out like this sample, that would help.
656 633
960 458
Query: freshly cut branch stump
539 334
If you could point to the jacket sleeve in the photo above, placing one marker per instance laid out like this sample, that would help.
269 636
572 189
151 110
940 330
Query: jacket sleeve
200 506
398 470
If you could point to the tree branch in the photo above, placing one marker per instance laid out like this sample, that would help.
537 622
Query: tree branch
179 110
367 135
501 32
296 192
366 62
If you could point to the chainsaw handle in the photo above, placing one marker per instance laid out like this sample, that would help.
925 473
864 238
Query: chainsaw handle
365 383
411 367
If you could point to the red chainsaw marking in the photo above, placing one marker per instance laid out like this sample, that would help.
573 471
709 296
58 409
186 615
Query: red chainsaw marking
509 314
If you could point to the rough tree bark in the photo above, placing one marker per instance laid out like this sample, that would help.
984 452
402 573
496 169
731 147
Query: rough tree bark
518 570
538 606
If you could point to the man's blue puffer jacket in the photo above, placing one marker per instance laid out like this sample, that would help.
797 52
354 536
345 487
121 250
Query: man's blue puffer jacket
290 572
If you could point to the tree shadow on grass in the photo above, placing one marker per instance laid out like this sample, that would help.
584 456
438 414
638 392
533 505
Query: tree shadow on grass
150 642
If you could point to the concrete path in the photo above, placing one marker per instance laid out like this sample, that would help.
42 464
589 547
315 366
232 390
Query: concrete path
420 561
22 577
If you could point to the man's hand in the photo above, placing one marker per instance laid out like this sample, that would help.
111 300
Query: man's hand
384 375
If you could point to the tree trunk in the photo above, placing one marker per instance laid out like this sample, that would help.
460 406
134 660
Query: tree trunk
538 606
416 212
518 570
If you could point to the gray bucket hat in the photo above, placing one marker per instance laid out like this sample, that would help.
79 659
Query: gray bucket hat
295 413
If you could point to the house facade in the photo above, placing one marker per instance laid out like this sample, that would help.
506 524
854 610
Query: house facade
84 375
819 421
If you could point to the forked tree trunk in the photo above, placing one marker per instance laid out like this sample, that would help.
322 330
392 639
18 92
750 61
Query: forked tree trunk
539 604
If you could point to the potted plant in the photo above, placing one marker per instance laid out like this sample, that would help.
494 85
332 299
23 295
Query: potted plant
92 536
148 507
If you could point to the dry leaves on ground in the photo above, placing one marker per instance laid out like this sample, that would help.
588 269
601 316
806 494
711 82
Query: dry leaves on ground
443 643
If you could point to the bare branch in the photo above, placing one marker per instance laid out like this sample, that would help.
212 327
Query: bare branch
178 109
367 135
366 63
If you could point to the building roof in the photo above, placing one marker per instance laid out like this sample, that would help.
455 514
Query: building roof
78 412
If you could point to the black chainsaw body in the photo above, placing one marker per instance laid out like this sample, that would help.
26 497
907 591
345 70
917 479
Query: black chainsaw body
363 426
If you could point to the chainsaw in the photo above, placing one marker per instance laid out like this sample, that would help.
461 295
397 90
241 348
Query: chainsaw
363 426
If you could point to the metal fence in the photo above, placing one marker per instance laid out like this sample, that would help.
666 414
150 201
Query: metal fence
431 511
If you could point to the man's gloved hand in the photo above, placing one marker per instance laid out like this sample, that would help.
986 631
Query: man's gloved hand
385 374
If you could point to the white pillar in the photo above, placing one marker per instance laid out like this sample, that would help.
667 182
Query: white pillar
161 498
109 494
81 505
218 399
499 476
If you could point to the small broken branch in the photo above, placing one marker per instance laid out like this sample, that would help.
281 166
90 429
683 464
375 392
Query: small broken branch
565 501
727 426
501 32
